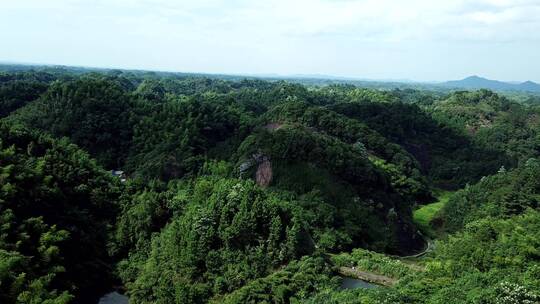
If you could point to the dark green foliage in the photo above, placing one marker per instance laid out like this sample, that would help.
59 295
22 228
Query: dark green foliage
490 261
354 132
493 120
342 175
173 138
151 90
298 144
18 89
502 195
448 157
191 225
93 112
194 85
56 207
16 94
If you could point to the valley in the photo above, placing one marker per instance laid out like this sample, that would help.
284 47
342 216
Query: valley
195 189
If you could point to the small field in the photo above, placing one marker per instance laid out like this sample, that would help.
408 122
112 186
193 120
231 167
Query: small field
422 216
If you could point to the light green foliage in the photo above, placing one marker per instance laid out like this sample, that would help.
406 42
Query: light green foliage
423 216
471 264
299 280
372 262
501 195
493 121
356 296
231 232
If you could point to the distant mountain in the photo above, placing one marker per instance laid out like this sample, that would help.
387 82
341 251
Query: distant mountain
475 82
530 86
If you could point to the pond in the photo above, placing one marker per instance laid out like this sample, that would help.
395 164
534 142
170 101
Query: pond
350 283
114 298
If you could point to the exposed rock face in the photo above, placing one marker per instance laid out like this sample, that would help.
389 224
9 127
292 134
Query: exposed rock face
263 176
244 167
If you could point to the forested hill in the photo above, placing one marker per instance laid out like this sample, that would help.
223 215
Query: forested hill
475 82
529 90
193 189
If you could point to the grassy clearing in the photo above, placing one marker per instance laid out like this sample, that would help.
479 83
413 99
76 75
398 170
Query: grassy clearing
425 214
361 260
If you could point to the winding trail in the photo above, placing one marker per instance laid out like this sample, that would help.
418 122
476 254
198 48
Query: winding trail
429 247
371 277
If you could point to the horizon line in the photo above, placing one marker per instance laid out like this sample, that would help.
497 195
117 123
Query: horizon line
264 75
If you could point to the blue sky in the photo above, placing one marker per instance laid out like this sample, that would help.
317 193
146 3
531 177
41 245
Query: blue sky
428 40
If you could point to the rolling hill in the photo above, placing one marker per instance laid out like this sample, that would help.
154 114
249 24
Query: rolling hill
476 82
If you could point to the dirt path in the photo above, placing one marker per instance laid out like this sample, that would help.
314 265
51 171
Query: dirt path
429 247
371 277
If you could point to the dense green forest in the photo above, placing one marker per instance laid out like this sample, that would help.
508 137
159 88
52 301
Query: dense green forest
240 190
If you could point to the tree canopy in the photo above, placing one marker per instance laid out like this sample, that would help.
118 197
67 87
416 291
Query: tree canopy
182 188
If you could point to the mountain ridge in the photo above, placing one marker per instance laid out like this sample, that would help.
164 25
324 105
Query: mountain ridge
472 82
477 82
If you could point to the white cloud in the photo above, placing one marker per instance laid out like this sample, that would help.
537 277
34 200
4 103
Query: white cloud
393 20
260 36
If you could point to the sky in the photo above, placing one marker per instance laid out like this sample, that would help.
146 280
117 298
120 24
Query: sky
422 40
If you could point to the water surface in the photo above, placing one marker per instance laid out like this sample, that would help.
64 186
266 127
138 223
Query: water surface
350 283
114 298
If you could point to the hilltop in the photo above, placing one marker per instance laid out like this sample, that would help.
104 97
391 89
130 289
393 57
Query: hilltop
476 82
